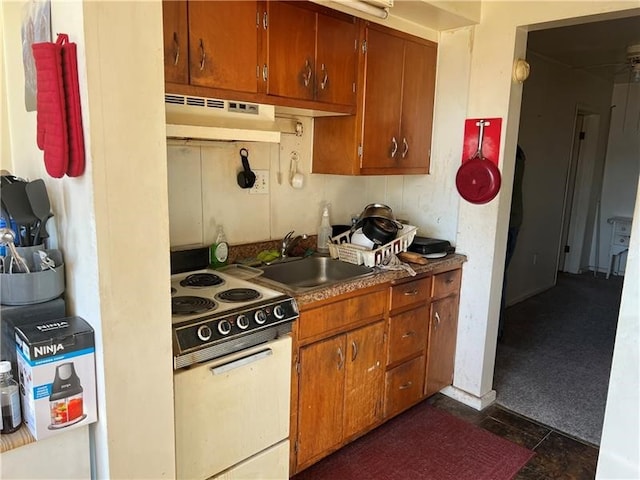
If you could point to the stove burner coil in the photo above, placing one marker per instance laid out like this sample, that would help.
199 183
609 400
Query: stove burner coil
201 280
238 295
187 305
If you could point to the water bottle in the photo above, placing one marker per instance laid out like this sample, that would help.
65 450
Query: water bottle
9 400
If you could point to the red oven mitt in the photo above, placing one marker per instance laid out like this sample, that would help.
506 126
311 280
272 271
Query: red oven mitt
74 112
51 115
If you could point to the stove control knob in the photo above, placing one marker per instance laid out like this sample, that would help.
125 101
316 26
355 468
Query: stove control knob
242 321
260 317
224 327
278 311
204 333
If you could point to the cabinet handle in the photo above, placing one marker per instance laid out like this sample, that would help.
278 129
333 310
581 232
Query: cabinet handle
410 333
437 317
405 148
394 147
176 48
307 77
265 73
411 293
340 358
405 386
354 350
202 55
325 77
265 20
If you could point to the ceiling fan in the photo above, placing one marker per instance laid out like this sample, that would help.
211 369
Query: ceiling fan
630 65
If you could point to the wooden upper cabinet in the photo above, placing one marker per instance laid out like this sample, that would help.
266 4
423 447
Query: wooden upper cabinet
391 131
223 44
398 107
176 38
383 101
291 50
311 55
418 91
336 63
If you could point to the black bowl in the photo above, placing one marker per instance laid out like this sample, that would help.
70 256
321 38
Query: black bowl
379 230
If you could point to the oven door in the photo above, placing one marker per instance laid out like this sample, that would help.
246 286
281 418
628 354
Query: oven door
232 408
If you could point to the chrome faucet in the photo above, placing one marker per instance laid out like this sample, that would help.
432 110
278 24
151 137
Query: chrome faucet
288 242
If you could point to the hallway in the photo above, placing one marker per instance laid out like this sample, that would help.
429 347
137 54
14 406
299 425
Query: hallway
554 361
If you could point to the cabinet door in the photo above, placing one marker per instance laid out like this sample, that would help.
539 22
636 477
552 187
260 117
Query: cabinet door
336 60
382 103
321 397
223 45
291 50
174 27
417 105
442 344
364 378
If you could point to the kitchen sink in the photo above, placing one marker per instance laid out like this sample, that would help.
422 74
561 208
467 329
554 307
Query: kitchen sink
312 272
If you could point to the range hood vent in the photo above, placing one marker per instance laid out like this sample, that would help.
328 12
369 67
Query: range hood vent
201 118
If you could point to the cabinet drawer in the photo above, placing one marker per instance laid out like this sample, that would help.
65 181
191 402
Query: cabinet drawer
335 317
623 228
447 283
404 386
621 240
408 334
409 293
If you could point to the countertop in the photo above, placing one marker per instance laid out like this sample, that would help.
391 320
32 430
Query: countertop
381 275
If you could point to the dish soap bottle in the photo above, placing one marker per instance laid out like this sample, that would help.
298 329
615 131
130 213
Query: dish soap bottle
324 231
219 251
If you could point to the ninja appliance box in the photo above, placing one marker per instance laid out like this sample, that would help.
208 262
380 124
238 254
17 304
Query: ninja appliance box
56 369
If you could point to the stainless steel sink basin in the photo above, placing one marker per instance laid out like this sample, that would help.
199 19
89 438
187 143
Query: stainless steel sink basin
312 272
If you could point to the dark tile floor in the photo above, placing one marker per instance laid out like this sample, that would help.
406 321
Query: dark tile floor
558 456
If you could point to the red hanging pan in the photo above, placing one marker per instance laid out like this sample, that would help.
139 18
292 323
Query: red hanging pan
478 179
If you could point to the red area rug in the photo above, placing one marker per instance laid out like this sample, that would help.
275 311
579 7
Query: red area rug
423 443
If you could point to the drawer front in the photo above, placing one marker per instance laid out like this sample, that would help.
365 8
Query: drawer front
337 316
404 386
623 228
621 240
408 334
447 283
409 293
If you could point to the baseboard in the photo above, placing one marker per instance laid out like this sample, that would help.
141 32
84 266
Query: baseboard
479 403
529 294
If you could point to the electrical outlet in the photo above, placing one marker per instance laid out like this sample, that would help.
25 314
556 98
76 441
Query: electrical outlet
261 187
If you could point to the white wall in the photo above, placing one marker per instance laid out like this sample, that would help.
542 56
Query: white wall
621 169
112 221
620 444
550 100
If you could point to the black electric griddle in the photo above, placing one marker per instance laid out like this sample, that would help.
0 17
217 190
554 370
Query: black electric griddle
431 246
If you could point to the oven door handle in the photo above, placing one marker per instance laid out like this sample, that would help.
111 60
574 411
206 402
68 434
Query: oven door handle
241 362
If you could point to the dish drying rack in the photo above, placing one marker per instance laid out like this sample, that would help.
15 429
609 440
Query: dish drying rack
341 249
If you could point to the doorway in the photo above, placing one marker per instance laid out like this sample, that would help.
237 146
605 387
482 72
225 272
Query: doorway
578 209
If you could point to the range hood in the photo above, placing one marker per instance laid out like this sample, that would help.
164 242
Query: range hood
201 118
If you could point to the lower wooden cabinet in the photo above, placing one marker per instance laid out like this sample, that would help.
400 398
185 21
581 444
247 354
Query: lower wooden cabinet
442 344
339 382
340 389
404 386
364 357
